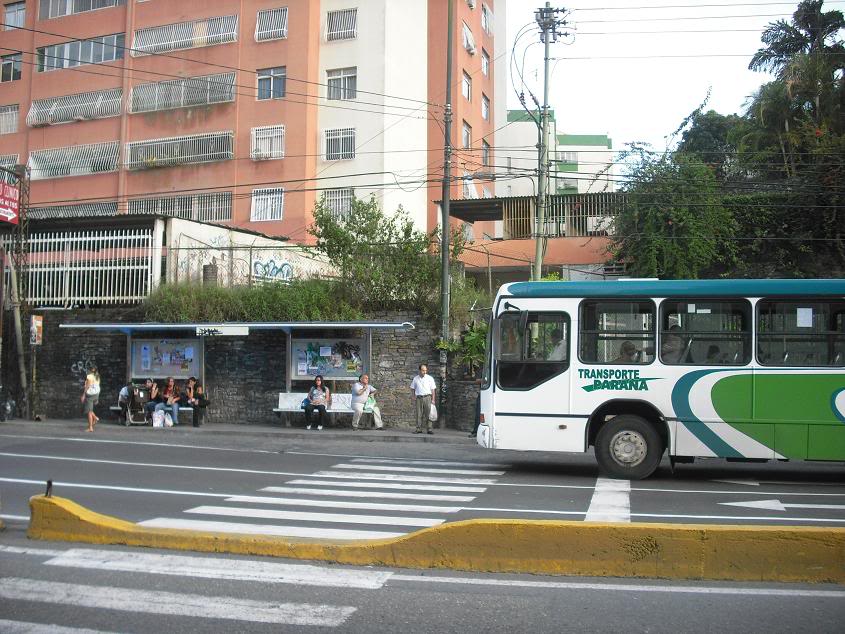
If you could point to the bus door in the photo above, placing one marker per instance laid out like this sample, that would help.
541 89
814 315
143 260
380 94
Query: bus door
531 377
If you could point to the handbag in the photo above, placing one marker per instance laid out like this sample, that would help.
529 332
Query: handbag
93 389
432 414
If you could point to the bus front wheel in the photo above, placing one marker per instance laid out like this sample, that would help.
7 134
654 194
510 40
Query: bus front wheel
628 447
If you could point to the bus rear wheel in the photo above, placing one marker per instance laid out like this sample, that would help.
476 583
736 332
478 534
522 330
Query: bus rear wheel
628 447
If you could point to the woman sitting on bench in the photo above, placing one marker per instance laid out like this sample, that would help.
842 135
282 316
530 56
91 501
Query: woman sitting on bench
319 397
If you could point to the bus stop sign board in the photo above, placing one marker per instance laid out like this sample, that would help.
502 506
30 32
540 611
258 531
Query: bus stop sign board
9 203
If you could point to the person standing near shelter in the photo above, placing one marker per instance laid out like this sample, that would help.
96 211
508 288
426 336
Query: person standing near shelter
90 397
362 391
423 388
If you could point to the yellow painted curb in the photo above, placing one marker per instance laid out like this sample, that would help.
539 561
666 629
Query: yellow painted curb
671 551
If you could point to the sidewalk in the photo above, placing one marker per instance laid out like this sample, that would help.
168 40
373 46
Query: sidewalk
111 428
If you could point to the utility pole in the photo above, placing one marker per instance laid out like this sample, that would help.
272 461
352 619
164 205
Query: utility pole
445 231
549 22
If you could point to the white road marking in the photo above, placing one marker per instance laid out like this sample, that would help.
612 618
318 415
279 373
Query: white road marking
611 501
59 483
138 442
619 587
18 550
15 518
371 494
266 529
342 504
171 603
220 568
373 467
387 485
777 505
442 463
336 518
404 478
23 627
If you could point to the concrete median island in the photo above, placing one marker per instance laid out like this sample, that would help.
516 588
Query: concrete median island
669 551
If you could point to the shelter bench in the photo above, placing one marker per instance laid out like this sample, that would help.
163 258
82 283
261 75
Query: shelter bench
117 410
292 402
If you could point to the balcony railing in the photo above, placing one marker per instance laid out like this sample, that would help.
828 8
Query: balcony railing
82 106
213 207
185 35
183 93
181 150
567 215
75 160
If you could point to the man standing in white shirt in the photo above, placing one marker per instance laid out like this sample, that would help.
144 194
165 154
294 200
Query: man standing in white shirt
422 390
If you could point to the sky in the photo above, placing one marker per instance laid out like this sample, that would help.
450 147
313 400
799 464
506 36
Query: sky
614 75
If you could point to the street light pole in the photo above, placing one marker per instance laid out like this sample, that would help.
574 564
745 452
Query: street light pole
444 204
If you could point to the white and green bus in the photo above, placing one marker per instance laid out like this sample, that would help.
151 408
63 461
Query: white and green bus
736 369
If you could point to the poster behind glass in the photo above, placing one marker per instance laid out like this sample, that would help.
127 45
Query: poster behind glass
333 358
159 358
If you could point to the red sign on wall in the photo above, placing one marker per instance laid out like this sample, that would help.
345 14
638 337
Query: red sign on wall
9 203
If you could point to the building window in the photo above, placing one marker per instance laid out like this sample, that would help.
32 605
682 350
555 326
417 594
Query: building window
569 157
485 107
485 153
342 25
466 87
15 15
342 83
340 144
183 93
271 83
9 119
466 139
268 142
97 50
75 160
569 183
485 62
8 161
10 67
180 150
49 9
79 107
339 201
267 204
272 24
467 39
184 35
486 19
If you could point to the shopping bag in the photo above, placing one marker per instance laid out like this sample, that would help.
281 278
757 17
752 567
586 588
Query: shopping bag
168 419
370 404
432 414
158 418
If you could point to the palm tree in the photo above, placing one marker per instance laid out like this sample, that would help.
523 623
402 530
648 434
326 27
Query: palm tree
812 32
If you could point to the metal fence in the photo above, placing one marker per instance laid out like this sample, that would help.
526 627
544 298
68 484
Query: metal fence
567 215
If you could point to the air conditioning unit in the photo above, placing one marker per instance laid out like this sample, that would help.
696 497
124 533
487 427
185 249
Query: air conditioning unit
471 4
471 49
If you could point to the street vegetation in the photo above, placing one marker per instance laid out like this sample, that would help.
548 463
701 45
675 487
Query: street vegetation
756 194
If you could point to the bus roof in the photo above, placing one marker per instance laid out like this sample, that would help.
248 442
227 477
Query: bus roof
678 288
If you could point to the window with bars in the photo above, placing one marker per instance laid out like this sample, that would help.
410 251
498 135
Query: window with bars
75 160
268 142
268 203
180 150
271 82
184 35
10 67
339 144
342 83
466 135
486 19
81 210
15 15
79 107
8 161
212 207
485 107
339 201
183 93
467 39
9 119
485 62
342 25
95 50
485 153
466 87
272 24
568 157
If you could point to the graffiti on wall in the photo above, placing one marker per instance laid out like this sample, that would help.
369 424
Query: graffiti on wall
272 271
81 367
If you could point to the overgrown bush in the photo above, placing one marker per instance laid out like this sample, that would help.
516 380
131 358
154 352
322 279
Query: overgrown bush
300 300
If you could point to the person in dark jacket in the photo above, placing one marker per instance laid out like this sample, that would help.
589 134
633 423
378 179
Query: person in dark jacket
199 402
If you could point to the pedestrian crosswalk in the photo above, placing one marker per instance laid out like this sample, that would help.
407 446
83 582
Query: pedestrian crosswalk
362 498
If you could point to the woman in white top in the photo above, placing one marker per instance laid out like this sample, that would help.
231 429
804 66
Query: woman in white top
90 397
361 392
319 398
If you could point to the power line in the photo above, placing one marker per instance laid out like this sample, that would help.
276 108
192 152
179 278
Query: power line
689 6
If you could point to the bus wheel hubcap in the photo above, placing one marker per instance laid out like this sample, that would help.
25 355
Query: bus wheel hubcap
628 448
